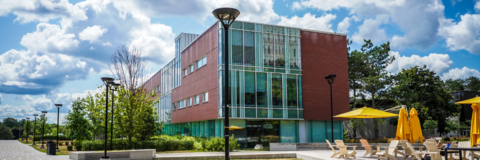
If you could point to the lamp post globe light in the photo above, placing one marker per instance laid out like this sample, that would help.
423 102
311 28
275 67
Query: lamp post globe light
28 118
114 88
226 16
34 128
43 132
58 117
108 81
330 79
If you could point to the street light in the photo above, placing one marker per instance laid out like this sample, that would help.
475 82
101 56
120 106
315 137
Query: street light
108 81
43 132
226 16
27 128
34 128
114 88
58 117
19 135
330 79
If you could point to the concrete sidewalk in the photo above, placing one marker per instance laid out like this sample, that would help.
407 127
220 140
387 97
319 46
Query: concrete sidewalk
306 155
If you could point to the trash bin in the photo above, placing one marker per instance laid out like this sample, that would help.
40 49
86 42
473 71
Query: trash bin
51 148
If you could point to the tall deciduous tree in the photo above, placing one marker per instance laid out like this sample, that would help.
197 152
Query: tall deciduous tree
472 84
356 71
95 112
10 122
5 132
77 124
422 89
455 85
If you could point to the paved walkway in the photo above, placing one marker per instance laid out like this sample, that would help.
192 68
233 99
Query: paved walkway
306 155
14 150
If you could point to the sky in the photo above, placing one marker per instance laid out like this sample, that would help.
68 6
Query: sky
55 51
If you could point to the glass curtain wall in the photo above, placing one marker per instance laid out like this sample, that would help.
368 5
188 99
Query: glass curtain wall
263 84
170 78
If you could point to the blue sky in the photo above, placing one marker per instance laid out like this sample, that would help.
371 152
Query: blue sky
54 51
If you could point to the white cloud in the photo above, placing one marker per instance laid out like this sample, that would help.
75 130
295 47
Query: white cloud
477 6
462 35
49 38
342 27
417 19
1 99
463 73
370 29
309 21
439 63
92 34
40 10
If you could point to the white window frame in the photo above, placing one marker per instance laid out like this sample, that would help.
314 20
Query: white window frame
197 99
185 72
189 101
205 97
191 68
201 62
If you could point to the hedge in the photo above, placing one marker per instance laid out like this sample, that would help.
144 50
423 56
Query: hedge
54 137
160 144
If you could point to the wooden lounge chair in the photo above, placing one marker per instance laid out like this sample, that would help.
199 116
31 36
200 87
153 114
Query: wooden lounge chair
335 152
368 148
433 151
476 155
431 140
414 153
343 150
389 151
406 150
466 153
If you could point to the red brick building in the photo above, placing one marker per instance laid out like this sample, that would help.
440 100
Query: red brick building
277 84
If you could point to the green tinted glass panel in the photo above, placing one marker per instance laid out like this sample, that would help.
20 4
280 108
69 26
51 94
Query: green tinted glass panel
292 114
250 113
288 131
267 28
279 51
237 25
268 49
300 92
293 50
262 113
277 91
300 114
237 47
292 91
261 90
277 113
237 88
249 48
249 26
279 30
249 89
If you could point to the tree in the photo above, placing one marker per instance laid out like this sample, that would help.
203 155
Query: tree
95 112
355 124
430 126
472 84
376 80
5 132
76 123
454 85
356 71
10 122
422 89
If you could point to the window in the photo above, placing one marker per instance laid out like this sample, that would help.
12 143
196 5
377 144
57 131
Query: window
185 72
174 106
205 97
189 101
197 99
182 103
201 62
191 68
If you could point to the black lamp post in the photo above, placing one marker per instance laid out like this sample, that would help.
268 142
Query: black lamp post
330 79
43 132
34 128
20 133
114 88
226 16
108 81
58 117
27 128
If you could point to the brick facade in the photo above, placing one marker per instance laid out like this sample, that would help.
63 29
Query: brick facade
205 79
324 54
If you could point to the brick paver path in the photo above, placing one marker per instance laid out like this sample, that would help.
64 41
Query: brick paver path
14 150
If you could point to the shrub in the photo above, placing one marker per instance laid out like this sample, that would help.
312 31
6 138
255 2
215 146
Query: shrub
69 148
60 143
77 144
218 144
51 137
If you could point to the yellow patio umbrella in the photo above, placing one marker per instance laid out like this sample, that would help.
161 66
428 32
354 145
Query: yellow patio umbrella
415 127
475 122
403 128
232 127
366 112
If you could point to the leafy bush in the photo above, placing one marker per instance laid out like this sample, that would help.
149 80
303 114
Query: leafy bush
51 137
218 144
69 148
77 144
60 143
160 143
